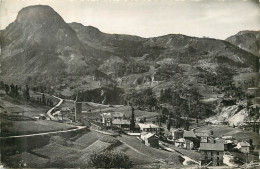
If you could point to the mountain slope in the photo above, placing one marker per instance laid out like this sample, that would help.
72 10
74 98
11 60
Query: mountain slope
247 40
39 48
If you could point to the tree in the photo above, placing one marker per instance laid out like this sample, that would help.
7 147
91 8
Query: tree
109 159
12 91
168 123
16 91
7 89
26 93
43 98
132 122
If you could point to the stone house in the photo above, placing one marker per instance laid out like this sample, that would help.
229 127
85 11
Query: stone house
211 153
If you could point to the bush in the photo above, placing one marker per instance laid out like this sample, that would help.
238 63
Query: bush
110 159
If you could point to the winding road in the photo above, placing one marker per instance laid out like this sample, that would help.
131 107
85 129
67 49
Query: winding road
52 118
57 105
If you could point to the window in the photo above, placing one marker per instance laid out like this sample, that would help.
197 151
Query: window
211 153
217 153
217 163
206 157
217 158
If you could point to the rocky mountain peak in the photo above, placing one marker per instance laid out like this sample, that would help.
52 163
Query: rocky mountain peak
38 14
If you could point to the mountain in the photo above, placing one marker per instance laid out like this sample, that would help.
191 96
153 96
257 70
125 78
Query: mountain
247 40
41 49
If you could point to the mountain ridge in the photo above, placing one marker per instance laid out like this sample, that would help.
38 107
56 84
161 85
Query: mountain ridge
45 50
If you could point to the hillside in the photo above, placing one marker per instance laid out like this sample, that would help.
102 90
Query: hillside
247 40
40 49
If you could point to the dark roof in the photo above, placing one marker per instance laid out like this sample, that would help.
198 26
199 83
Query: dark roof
212 147
118 121
202 134
189 134
118 114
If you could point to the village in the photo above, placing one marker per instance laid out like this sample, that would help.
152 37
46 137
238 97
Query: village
74 94
212 150
195 142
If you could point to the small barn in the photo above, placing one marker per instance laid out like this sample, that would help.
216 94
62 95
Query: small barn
150 139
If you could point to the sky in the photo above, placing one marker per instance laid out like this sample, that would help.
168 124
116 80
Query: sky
150 18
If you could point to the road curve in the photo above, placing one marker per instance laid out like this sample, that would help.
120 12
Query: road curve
57 105
47 133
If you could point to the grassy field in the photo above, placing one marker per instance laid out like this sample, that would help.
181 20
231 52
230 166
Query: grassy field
31 108
136 158
33 127
31 160
239 134
149 152
68 154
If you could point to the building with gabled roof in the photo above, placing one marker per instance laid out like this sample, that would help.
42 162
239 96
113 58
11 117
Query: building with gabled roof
243 147
150 139
121 123
106 119
188 134
212 153
202 136
149 127
118 115
178 133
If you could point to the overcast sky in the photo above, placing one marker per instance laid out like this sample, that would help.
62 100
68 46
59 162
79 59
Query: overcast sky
149 18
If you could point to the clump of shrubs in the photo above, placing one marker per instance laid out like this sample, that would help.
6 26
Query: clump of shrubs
110 159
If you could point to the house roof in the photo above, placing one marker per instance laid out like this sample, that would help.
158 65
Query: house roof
227 137
212 147
121 121
202 134
189 134
181 140
118 114
177 130
244 144
106 115
228 142
148 125
148 135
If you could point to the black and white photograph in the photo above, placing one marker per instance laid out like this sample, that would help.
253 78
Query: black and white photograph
130 84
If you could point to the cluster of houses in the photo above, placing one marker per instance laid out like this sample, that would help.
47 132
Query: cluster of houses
211 149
